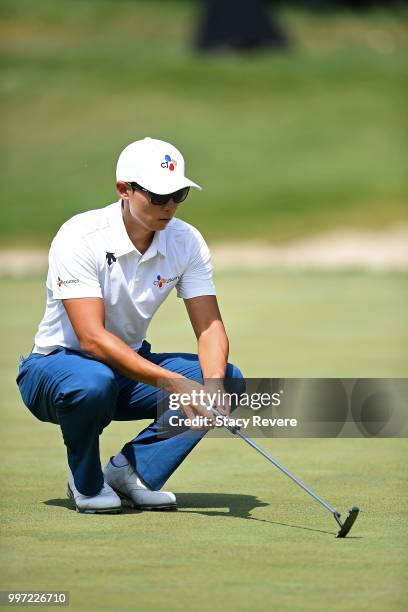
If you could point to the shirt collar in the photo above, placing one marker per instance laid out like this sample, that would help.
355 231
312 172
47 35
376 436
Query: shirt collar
158 246
122 242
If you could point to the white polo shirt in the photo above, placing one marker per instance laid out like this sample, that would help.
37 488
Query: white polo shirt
93 256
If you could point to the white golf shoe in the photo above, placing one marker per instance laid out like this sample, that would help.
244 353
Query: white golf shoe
105 501
127 484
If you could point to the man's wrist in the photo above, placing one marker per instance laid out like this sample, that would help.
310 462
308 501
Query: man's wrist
171 383
215 374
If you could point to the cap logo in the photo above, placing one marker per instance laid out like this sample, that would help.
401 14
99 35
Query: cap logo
169 163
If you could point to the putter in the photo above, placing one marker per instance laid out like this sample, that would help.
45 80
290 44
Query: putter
353 512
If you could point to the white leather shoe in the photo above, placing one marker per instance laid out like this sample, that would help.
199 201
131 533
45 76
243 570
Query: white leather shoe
105 501
127 484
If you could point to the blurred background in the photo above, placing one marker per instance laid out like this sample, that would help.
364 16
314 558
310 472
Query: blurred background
292 115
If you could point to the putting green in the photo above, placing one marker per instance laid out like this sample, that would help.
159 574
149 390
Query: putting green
244 537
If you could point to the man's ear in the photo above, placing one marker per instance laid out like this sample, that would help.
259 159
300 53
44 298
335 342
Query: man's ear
123 190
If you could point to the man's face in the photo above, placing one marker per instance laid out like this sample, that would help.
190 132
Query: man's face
152 216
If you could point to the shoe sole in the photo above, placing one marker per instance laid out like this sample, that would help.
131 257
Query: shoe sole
129 503
114 510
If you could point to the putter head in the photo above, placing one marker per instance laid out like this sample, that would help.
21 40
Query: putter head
349 522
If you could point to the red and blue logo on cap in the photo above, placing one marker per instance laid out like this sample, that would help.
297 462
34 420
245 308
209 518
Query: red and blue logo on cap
169 163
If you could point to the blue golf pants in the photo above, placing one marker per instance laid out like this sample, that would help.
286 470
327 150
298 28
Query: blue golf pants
83 396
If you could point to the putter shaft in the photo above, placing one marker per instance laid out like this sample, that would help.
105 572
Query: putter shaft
285 471
353 513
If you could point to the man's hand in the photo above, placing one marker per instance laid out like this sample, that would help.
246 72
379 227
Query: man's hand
192 401
215 390
208 400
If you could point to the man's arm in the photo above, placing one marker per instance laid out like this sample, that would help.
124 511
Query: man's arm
210 332
87 316
213 344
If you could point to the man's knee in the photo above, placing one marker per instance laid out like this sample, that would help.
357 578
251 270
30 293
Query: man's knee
100 386
233 371
95 390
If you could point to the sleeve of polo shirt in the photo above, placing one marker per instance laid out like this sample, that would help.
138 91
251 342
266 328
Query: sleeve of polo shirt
72 268
197 278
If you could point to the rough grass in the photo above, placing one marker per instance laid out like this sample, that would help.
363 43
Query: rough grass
283 144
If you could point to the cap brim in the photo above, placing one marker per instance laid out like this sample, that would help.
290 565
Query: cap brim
192 184
166 187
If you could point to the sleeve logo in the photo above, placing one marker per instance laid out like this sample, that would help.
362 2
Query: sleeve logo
69 281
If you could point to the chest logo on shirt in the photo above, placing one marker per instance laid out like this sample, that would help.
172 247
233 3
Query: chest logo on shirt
160 281
110 258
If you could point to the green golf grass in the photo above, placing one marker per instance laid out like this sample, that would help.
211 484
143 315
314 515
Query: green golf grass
284 144
244 537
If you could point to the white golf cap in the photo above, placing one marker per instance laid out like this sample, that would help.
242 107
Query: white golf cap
155 165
